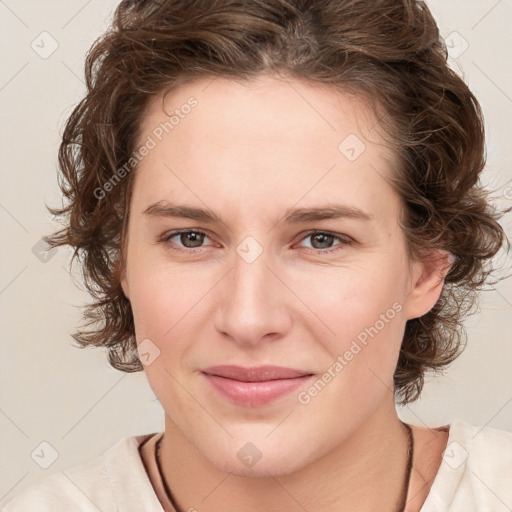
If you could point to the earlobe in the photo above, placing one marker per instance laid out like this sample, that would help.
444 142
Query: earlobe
124 286
120 272
427 281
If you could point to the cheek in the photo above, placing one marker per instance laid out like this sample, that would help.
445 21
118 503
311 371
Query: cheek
171 307
363 310
152 308
356 298
160 295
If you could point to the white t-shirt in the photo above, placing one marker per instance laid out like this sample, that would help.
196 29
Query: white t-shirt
475 475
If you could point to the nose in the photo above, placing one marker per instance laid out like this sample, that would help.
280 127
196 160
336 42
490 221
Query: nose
253 305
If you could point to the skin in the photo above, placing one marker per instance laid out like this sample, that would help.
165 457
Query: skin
249 152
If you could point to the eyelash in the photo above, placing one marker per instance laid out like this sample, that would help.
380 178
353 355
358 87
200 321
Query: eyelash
343 239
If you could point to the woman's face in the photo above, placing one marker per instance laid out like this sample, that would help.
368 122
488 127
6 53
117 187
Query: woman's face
272 162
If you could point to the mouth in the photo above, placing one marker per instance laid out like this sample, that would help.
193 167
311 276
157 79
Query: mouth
255 386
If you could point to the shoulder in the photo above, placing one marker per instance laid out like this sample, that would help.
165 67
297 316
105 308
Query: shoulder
93 485
475 471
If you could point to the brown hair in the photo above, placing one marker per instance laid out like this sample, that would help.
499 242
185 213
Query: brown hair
388 51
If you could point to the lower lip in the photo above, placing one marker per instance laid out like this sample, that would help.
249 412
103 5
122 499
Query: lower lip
253 394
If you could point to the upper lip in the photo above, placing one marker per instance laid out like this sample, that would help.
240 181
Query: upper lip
254 374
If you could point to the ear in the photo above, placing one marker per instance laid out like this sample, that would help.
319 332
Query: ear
427 281
124 286
120 272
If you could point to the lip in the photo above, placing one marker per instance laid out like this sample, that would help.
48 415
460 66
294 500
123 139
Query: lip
255 373
254 386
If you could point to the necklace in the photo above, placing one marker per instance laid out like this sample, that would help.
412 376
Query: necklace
168 491
403 497
408 467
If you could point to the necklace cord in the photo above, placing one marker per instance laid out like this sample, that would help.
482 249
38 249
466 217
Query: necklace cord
408 468
167 489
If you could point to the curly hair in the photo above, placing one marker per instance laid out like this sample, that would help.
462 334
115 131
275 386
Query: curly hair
388 51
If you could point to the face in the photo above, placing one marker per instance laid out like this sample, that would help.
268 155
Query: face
301 264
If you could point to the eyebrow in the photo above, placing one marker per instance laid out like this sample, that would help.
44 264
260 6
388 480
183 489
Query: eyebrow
292 216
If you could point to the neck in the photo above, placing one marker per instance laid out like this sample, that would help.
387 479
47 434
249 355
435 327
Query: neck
366 471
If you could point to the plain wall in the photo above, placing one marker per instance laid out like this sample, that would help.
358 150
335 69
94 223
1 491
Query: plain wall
53 392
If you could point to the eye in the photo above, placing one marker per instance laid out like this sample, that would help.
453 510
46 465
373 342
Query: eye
322 240
189 238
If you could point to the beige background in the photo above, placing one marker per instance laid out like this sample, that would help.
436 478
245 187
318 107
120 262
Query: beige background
52 392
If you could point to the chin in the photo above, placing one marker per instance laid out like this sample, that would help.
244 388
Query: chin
264 468
258 459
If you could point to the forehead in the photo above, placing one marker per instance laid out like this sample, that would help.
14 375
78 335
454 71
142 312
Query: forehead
264 108
288 139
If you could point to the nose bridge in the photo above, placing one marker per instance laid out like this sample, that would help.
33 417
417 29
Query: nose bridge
251 306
